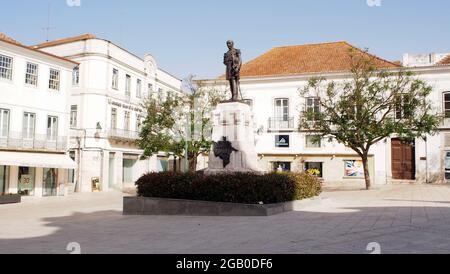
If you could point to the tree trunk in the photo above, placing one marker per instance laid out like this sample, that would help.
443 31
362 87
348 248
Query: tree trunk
193 164
366 171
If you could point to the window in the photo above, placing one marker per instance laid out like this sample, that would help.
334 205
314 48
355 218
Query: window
54 80
115 79
354 169
150 89
29 121
6 67
26 181
73 116
447 165
314 168
113 118
138 122
398 108
52 128
312 108
128 86
126 124
401 106
31 75
76 76
4 122
313 141
282 109
447 104
138 88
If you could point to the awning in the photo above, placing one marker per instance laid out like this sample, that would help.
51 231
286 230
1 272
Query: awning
29 159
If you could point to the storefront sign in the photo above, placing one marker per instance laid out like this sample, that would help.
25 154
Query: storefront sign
282 141
124 106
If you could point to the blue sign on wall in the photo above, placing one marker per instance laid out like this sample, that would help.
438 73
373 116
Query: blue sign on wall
281 140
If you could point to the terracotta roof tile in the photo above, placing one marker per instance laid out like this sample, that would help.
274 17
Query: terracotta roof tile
6 38
301 59
445 61
65 41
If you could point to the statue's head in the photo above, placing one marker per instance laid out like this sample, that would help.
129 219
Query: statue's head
230 44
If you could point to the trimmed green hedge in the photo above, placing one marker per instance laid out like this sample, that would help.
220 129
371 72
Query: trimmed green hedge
247 188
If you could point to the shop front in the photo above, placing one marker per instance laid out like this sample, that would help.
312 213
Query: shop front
34 174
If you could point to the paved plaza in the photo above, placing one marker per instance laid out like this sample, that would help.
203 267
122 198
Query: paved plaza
401 218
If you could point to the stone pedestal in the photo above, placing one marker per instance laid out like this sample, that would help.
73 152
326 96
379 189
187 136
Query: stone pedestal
233 134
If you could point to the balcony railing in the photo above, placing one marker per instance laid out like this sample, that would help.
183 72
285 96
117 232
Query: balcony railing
40 142
281 123
121 134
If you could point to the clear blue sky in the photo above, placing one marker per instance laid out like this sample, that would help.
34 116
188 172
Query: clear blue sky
188 36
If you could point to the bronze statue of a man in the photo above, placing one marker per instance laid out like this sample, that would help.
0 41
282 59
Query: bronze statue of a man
233 62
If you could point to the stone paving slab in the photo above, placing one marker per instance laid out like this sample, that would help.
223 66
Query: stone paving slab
402 218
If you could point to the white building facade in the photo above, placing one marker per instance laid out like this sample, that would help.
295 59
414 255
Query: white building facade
109 87
271 86
34 121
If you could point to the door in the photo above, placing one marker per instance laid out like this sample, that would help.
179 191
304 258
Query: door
128 168
3 179
403 161
111 178
50 182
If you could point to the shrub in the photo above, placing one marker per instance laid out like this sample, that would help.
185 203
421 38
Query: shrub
245 188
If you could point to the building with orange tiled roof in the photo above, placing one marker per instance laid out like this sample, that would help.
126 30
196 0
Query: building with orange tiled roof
5 37
270 84
63 41
304 59
445 61
34 120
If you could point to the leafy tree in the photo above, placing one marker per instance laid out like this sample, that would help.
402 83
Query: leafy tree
175 122
368 107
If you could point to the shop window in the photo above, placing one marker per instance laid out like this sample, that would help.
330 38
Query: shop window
26 181
447 165
281 166
128 165
50 182
162 165
314 168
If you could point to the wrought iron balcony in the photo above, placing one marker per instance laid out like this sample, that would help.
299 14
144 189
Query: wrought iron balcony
123 135
286 123
37 142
